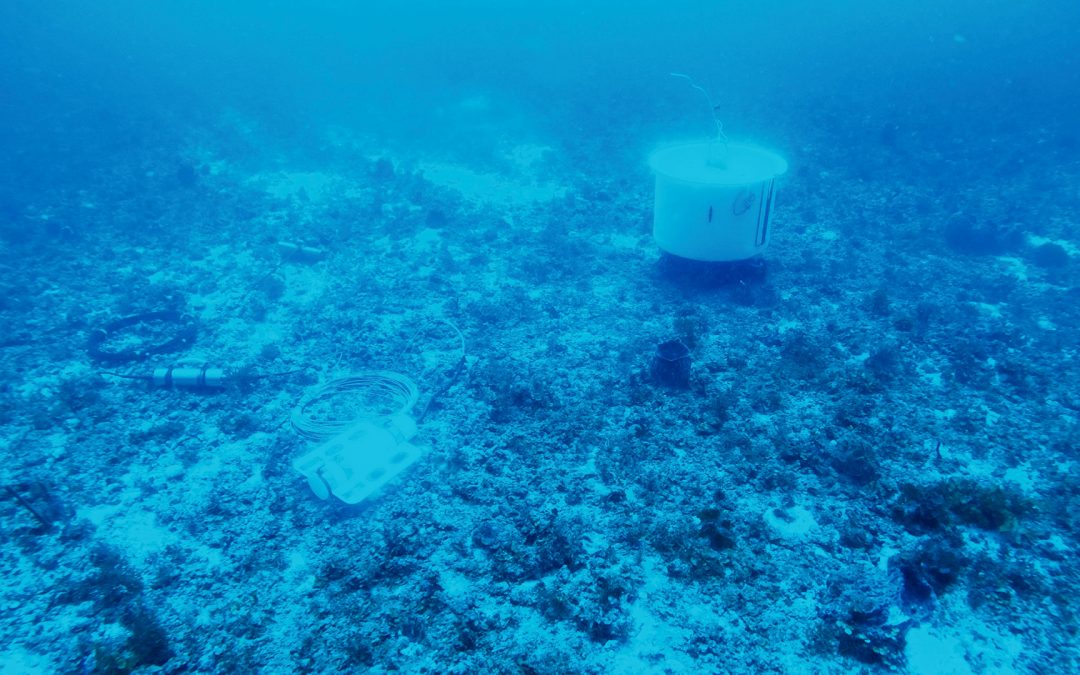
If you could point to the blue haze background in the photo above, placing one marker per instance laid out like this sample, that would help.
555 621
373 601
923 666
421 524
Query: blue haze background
85 80
911 345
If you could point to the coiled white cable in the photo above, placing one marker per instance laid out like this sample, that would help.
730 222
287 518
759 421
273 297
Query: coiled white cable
401 391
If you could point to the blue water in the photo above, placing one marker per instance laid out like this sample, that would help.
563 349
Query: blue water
337 339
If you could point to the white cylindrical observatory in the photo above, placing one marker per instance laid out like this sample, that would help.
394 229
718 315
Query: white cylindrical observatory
714 200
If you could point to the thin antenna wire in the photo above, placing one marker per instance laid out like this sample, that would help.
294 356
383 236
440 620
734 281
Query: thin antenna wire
712 108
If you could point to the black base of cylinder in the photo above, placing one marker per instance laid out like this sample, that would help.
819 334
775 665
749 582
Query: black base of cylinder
703 274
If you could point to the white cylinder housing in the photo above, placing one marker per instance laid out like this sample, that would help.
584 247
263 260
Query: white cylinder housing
714 202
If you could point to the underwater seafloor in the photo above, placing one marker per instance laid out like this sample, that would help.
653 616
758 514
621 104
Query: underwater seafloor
873 468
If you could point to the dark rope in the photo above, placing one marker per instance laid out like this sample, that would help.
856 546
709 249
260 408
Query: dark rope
183 337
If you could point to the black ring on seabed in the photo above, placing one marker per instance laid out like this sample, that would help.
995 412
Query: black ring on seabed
185 335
